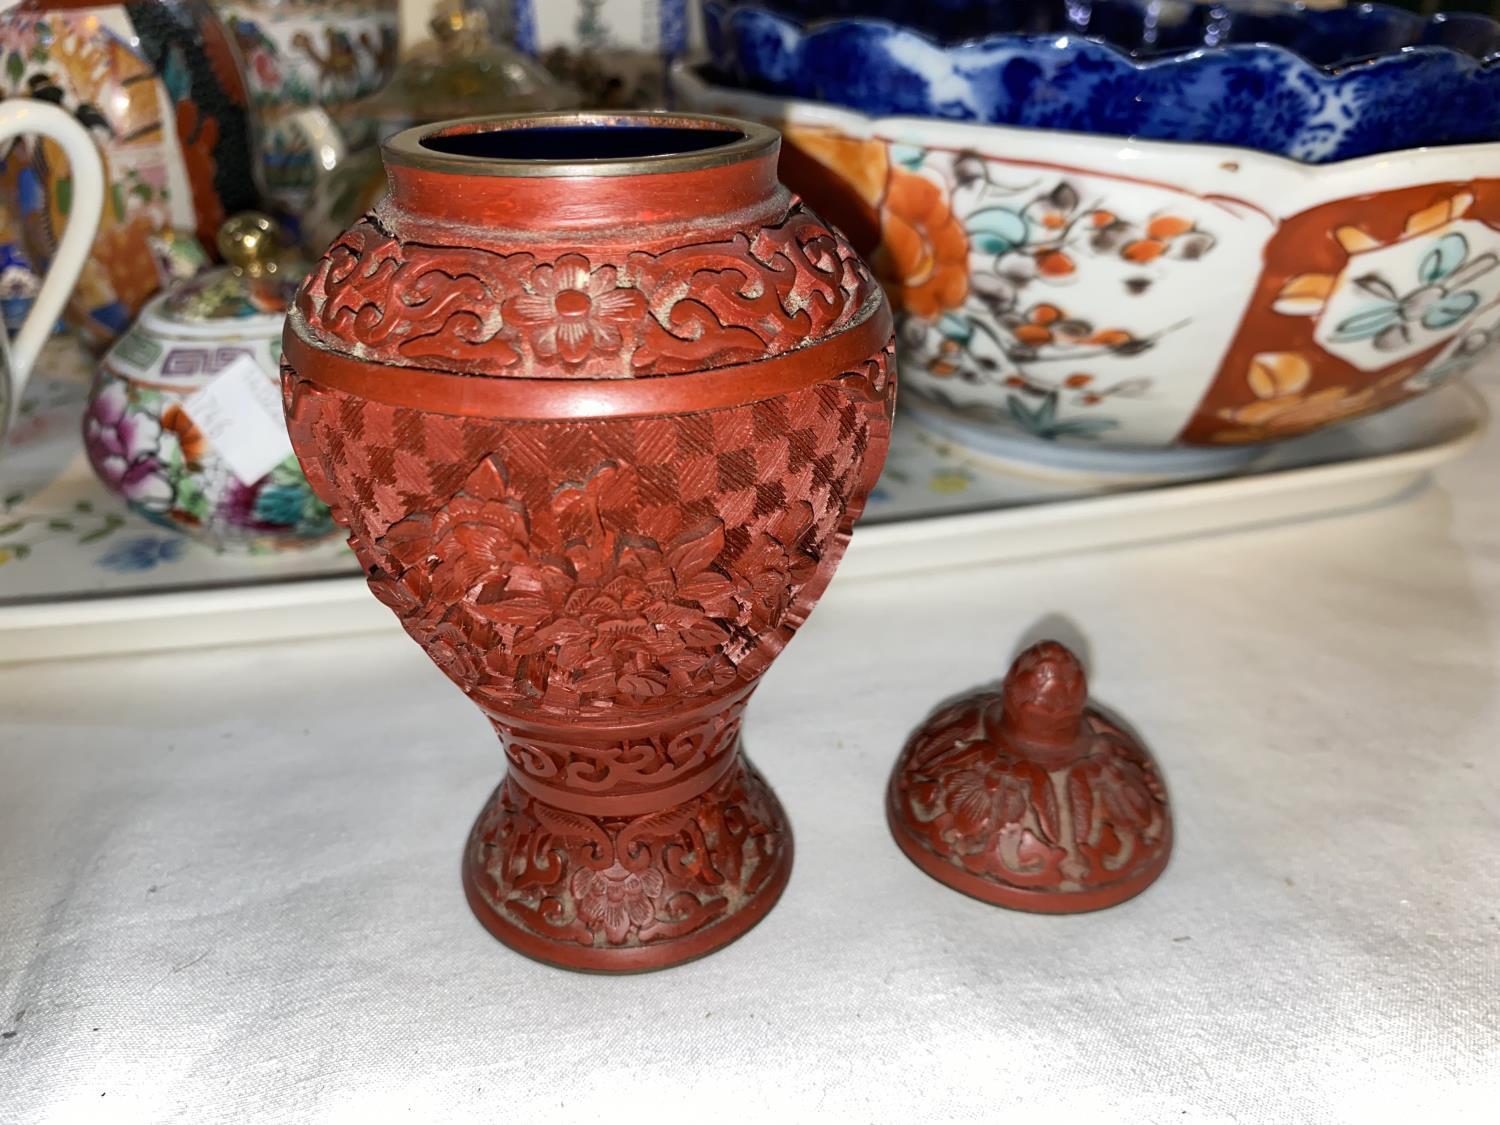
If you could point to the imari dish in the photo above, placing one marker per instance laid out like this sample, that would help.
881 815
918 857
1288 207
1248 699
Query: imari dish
1091 295
1313 85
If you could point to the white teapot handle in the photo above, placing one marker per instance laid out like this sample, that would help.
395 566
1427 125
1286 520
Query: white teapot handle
20 116
323 137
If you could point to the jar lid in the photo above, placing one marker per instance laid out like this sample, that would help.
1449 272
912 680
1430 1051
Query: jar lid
248 296
1028 797
462 72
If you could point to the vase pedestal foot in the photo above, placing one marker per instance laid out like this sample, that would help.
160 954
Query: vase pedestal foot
630 893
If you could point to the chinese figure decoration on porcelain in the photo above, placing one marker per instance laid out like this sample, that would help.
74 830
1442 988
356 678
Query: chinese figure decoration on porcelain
1029 798
313 52
158 87
302 54
599 402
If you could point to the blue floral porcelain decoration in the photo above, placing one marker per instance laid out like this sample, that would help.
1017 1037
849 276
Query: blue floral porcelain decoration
1316 86
143 552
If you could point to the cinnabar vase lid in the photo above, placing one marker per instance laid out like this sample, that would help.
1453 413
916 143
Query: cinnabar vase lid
1028 797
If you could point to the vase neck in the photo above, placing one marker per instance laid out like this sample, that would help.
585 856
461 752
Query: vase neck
538 172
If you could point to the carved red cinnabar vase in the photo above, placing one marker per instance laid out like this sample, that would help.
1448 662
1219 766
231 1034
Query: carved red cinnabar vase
1029 798
599 402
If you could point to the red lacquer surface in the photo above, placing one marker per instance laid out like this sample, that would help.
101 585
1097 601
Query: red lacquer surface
1029 798
601 472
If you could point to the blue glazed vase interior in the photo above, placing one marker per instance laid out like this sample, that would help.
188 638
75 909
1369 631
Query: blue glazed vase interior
623 141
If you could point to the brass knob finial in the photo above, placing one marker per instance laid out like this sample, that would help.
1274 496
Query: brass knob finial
248 242
455 18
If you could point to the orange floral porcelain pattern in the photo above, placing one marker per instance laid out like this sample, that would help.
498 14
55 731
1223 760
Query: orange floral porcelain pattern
923 255
1284 407
1361 302
1307 294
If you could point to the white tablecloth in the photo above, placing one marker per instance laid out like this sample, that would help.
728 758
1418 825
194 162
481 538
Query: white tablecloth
229 878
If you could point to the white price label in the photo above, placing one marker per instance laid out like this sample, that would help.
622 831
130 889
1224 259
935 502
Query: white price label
240 414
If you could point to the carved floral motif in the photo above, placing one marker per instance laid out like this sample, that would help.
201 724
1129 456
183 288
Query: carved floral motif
1094 820
686 309
568 309
558 579
593 617
628 881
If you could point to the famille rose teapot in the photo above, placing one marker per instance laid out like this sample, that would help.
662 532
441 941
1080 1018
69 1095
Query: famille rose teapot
20 116
184 420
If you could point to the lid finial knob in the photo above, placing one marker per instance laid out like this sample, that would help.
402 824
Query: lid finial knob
249 243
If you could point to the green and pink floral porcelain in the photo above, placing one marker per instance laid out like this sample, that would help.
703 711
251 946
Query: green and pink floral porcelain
144 443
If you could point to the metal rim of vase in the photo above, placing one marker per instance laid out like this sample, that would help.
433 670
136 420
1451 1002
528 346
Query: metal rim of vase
407 150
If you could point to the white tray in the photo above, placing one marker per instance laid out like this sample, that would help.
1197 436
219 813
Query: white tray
94 579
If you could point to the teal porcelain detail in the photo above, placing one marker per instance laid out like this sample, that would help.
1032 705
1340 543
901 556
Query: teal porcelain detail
1438 297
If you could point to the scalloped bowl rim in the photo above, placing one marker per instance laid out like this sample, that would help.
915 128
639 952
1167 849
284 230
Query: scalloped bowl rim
685 71
1065 40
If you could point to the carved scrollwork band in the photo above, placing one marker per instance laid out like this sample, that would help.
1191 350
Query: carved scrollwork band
624 774
689 309
521 399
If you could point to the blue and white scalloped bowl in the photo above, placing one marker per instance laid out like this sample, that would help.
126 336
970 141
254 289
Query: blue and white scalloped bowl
1316 86
1148 308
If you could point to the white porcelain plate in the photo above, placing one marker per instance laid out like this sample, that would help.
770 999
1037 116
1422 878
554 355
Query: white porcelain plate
80 575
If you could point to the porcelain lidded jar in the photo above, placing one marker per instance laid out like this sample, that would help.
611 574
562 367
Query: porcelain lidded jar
146 438
599 401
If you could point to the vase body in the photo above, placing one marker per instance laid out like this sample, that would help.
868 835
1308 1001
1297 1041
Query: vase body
599 429
158 86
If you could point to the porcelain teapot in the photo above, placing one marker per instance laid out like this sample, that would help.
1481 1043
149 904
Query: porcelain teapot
302 55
